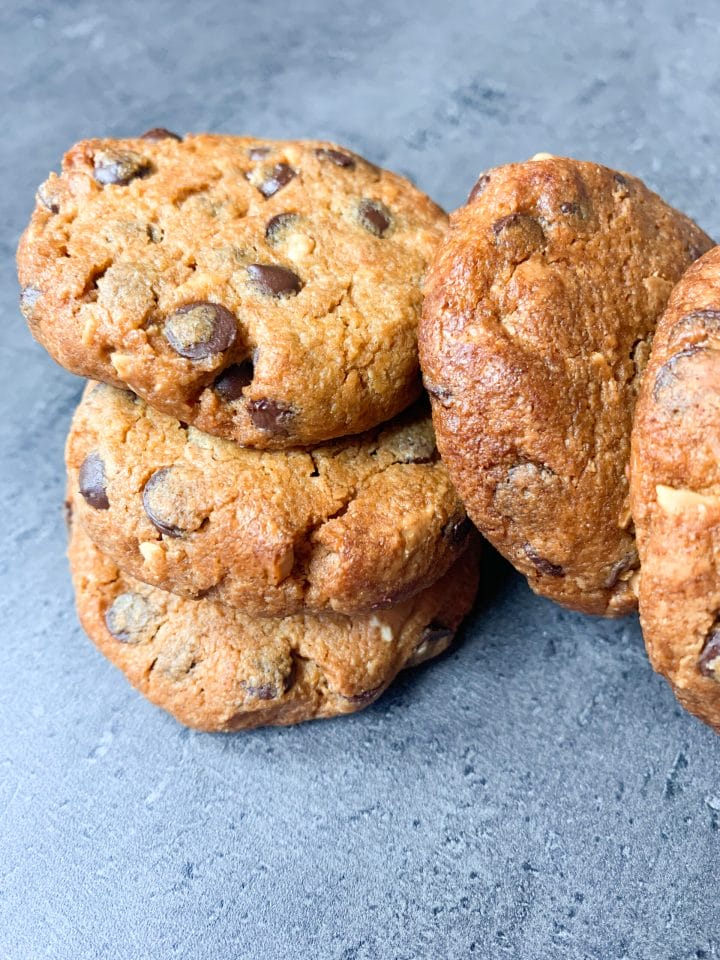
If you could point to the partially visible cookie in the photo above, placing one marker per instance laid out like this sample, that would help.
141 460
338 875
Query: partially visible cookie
539 313
675 491
264 291
214 668
350 526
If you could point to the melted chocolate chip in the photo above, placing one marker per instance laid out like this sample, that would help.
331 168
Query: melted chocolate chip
335 156
682 380
153 498
201 329
700 325
374 216
258 153
541 564
709 661
266 691
457 531
280 175
630 561
231 382
516 221
270 415
366 696
130 619
159 133
29 296
572 209
278 225
435 635
273 280
92 482
119 167
479 187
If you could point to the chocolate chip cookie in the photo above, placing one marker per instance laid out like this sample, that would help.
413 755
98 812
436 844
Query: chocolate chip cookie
537 323
675 492
214 668
264 291
351 526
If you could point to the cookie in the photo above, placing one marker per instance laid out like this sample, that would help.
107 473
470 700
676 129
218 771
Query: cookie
264 291
351 526
675 492
215 668
540 309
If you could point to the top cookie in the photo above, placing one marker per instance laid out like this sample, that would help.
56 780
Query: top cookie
675 491
265 291
539 312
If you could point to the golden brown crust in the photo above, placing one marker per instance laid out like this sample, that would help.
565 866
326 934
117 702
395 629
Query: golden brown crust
539 310
675 491
214 668
350 526
321 345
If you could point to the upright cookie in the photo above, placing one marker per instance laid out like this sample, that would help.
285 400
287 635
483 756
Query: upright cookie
264 291
537 323
351 526
214 668
675 492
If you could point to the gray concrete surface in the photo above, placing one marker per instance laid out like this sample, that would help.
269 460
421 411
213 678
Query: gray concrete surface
537 793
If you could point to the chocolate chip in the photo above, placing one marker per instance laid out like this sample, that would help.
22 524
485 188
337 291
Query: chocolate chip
266 691
698 325
92 482
519 235
273 280
270 415
670 389
479 187
621 186
435 635
258 153
374 216
231 382
47 198
541 564
573 209
457 531
119 166
441 394
29 296
335 156
366 696
68 513
131 618
277 178
709 661
514 221
278 225
629 562
159 133
157 502
201 329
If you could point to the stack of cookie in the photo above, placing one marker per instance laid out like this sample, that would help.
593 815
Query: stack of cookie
262 530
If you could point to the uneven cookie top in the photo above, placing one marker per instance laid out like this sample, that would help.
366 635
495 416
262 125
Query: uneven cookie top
675 491
350 526
264 291
539 312
214 668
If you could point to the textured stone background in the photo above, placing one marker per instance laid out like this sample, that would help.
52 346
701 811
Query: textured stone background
535 794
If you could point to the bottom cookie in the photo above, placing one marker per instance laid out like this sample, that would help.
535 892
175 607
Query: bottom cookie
216 670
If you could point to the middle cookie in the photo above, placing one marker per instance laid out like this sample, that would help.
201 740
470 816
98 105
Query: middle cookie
350 526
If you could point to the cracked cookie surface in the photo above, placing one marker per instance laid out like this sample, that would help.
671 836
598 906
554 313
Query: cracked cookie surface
214 668
539 312
264 291
350 526
675 492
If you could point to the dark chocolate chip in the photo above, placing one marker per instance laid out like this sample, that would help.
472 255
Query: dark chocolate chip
29 296
668 387
482 182
159 133
700 324
92 482
273 280
516 220
153 496
270 415
374 216
68 513
630 561
335 156
119 166
573 209
258 153
457 531
130 618
435 635
231 382
201 329
366 696
621 188
441 394
541 564
277 178
709 660
266 691
278 225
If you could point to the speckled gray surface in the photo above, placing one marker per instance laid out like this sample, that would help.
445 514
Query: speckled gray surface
535 794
